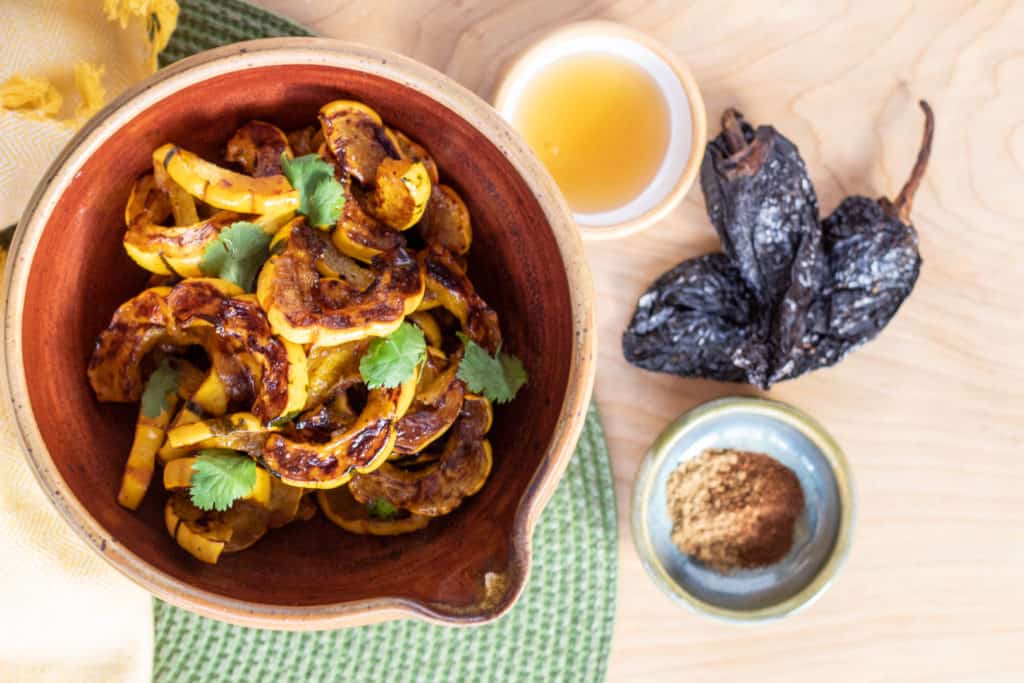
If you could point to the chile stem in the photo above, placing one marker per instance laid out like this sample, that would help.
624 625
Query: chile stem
732 129
905 199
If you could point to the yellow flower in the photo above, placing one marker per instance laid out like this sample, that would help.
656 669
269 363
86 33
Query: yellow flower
38 98
161 19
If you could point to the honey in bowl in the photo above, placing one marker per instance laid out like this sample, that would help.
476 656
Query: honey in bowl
616 118
600 124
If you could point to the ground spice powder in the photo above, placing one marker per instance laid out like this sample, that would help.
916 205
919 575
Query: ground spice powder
734 509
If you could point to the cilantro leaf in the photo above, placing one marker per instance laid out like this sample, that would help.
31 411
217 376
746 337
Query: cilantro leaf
393 359
381 508
282 420
237 254
220 477
162 382
321 196
497 377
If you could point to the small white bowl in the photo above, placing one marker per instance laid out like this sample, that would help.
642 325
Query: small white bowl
687 118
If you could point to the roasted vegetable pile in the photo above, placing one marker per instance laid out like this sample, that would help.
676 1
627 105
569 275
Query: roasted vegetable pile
309 327
791 292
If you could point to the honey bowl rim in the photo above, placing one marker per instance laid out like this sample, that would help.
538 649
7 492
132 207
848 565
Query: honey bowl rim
517 70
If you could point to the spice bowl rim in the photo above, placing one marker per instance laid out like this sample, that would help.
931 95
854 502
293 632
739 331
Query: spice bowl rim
519 71
661 449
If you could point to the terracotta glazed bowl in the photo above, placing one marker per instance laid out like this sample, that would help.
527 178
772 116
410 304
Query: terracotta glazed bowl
68 272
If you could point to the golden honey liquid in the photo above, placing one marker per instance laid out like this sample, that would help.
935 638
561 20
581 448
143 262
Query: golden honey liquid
601 126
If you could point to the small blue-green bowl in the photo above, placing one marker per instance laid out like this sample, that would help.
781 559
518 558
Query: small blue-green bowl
823 532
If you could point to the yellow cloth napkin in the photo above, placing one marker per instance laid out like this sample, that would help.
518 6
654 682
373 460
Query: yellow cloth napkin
66 615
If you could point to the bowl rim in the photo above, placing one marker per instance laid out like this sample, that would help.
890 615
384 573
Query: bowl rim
516 71
660 451
501 593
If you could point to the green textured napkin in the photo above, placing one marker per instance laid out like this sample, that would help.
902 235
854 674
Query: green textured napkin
560 630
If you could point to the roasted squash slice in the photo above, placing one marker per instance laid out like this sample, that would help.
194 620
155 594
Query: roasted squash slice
208 534
340 507
426 322
360 235
237 431
355 135
138 470
203 542
226 189
176 250
279 499
435 406
185 416
178 475
413 151
332 368
360 448
326 419
306 140
400 193
257 147
208 397
334 263
147 201
285 503
183 205
446 221
440 487
448 283
203 311
305 308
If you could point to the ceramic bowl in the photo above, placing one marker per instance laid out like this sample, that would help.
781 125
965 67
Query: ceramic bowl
823 531
68 272
686 114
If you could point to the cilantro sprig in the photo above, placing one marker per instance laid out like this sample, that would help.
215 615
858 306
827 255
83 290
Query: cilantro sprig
391 360
220 477
162 383
237 254
498 377
321 196
381 508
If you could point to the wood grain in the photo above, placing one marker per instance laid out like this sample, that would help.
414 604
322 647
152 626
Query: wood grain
931 414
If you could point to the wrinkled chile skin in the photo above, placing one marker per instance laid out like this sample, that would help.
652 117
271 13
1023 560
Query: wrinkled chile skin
791 293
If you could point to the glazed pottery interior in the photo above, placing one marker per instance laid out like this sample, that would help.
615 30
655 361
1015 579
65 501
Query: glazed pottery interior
80 273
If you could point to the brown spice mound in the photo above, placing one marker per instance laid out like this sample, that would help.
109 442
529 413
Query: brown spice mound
734 509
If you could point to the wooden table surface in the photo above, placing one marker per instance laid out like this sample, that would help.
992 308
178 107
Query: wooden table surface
931 414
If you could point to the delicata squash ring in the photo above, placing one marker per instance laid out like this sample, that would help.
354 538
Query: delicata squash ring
441 486
447 282
397 185
362 447
175 250
202 311
306 308
435 406
355 135
360 235
446 220
226 189
340 507
257 147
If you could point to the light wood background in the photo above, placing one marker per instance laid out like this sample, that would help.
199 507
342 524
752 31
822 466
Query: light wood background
931 414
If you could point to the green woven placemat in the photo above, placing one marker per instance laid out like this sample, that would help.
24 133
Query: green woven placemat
560 630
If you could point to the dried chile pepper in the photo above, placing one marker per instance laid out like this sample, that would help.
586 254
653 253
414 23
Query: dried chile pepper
791 293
